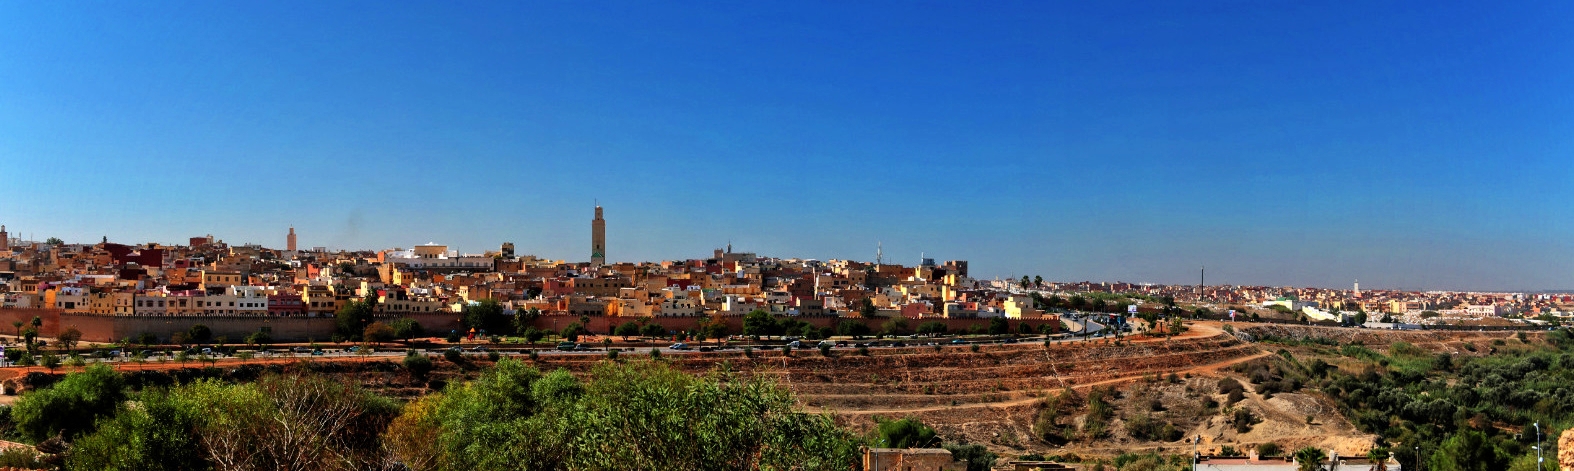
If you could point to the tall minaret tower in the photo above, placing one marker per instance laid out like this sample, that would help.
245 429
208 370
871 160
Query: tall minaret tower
5 240
290 240
1357 288
598 239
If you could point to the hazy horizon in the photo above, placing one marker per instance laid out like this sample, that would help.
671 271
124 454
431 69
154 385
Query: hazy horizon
1407 145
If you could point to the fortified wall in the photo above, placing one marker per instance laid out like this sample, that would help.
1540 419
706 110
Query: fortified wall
101 328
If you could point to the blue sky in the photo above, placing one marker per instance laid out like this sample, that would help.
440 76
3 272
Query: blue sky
1407 144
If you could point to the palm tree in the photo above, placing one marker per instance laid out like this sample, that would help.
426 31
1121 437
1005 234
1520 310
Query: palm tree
18 326
1038 280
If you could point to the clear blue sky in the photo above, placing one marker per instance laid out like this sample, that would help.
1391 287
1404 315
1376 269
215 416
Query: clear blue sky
1407 144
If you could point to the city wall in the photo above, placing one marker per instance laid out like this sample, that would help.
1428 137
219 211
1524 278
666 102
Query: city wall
603 325
100 328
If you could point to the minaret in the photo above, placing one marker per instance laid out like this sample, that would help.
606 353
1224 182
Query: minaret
598 239
290 239
1357 288
5 240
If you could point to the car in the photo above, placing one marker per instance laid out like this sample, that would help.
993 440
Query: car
114 353
317 352
582 348
795 344
566 346
1010 341
790 339
478 348
860 345
706 349
354 349
957 341
825 343
679 346
841 343
301 350
899 344
207 351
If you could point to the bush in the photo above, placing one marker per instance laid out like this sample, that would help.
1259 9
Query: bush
1243 420
453 356
518 415
977 457
1269 449
418 365
493 356
825 350
70 407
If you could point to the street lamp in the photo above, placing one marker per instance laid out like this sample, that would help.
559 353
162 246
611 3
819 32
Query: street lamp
1538 446
1418 457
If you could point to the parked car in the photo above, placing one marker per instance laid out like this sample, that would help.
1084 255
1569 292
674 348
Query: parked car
566 346
478 348
957 341
317 352
679 346
795 344
301 350
581 348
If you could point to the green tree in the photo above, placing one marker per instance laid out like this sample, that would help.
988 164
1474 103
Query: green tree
902 433
1468 450
852 328
1038 280
998 326
351 319
418 365
486 315
573 331
155 435
53 241
653 330
199 334
626 330
68 338
406 328
976 456
759 323
894 326
866 308
1024 282
378 332
525 319
70 407
18 326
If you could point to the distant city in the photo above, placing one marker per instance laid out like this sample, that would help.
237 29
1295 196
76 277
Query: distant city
206 276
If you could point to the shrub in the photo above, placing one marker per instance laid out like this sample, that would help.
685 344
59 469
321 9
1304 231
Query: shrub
453 356
1269 449
863 351
1243 420
418 365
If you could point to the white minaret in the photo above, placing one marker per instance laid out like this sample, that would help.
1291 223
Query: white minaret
1357 288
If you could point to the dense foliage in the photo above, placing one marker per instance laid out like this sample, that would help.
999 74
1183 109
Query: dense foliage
638 415
1460 412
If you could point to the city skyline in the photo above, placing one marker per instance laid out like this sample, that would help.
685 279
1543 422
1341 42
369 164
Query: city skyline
1285 145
